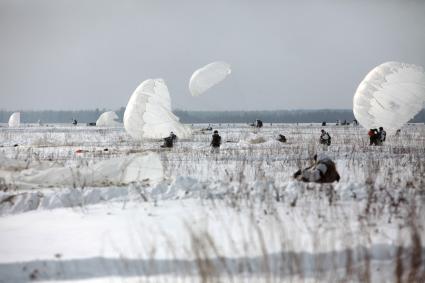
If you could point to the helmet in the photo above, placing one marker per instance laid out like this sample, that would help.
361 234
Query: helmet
215 132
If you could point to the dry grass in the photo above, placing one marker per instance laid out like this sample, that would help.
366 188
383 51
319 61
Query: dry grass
259 181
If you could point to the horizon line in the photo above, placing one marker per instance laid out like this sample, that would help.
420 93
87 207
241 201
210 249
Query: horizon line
178 109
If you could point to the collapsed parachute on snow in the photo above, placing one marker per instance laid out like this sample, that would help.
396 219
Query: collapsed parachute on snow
208 76
148 113
114 171
15 120
389 96
108 119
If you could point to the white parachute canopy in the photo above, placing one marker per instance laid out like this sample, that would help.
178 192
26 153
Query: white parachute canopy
389 96
208 76
108 119
148 113
15 120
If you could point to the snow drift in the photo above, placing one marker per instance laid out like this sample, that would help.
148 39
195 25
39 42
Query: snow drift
253 139
8 164
13 203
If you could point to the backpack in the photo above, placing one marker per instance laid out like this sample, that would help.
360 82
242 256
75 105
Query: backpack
383 135
329 139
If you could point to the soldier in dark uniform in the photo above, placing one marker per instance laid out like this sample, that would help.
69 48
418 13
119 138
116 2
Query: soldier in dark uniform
169 141
281 138
215 142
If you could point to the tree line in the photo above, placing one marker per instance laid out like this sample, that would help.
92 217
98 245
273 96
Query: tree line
275 116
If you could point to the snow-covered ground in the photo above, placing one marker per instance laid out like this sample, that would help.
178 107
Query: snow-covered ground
88 204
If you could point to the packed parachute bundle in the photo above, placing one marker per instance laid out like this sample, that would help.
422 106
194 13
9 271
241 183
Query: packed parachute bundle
108 119
148 113
389 96
208 76
15 120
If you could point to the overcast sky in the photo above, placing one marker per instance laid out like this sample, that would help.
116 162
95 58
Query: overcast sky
309 54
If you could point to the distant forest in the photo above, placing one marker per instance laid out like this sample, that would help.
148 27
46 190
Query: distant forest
278 116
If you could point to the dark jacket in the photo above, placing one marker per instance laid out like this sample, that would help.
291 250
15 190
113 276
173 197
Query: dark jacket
325 138
373 137
216 140
282 138
259 124
168 142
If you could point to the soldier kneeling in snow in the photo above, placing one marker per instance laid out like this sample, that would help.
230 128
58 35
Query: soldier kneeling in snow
281 138
322 171
373 137
169 141
325 140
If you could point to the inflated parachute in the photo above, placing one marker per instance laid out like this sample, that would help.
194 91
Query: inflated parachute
148 113
208 76
15 120
108 119
389 96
